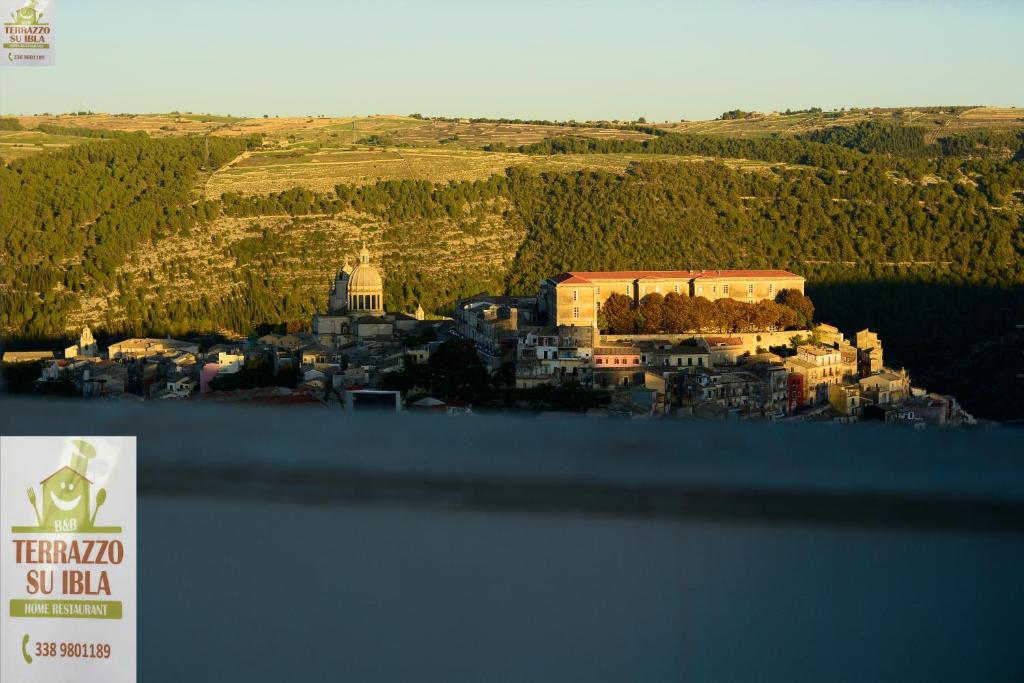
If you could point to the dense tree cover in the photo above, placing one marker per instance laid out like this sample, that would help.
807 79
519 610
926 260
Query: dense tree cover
838 147
10 124
910 141
874 136
827 225
69 218
983 143
678 314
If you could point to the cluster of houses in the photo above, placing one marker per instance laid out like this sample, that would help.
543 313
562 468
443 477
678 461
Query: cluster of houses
340 361
159 369
549 339
792 375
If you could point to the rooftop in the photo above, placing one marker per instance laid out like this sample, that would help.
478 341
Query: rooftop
724 341
616 351
586 276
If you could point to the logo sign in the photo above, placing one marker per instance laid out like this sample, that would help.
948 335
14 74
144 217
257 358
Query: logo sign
28 32
67 559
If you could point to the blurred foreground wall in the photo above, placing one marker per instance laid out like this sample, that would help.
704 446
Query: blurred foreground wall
290 544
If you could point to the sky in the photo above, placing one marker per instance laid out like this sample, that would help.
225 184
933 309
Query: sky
523 59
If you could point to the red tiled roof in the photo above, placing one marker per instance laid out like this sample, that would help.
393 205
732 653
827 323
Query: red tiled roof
728 341
747 273
590 275
585 276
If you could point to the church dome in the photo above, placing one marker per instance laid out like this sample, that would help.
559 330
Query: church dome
365 276
365 289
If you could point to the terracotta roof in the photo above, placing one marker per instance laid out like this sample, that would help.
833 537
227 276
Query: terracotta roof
748 274
728 341
582 277
585 276
569 278
616 351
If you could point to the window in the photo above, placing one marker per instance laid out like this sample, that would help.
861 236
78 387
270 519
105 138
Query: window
598 290
725 289
714 289
575 311
575 295
657 289
771 288
675 288
750 289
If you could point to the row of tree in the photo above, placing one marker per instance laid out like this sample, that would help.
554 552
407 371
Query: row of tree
678 314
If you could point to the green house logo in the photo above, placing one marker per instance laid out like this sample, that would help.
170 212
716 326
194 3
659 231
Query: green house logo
67 504
29 15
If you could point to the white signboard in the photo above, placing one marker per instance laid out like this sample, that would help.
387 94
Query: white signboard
67 561
28 31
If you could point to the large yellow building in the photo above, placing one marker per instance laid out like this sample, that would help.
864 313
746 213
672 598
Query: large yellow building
574 298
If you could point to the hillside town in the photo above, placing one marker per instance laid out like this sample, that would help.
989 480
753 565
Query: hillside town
531 349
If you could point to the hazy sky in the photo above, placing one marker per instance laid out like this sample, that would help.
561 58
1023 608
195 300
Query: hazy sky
583 60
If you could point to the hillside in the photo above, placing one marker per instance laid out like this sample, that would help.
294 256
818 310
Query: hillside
906 222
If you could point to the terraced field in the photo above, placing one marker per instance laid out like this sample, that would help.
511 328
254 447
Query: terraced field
15 144
265 172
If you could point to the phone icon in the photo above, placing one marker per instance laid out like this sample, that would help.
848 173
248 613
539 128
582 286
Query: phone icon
24 649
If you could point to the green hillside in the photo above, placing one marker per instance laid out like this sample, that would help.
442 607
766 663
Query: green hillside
915 231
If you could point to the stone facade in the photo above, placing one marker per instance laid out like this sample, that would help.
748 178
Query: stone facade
575 298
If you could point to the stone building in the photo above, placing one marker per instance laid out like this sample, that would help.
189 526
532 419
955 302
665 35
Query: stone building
355 306
86 346
869 349
365 288
575 298
821 367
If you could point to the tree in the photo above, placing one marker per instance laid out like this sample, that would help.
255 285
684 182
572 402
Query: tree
728 314
677 316
800 304
616 314
650 314
702 314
